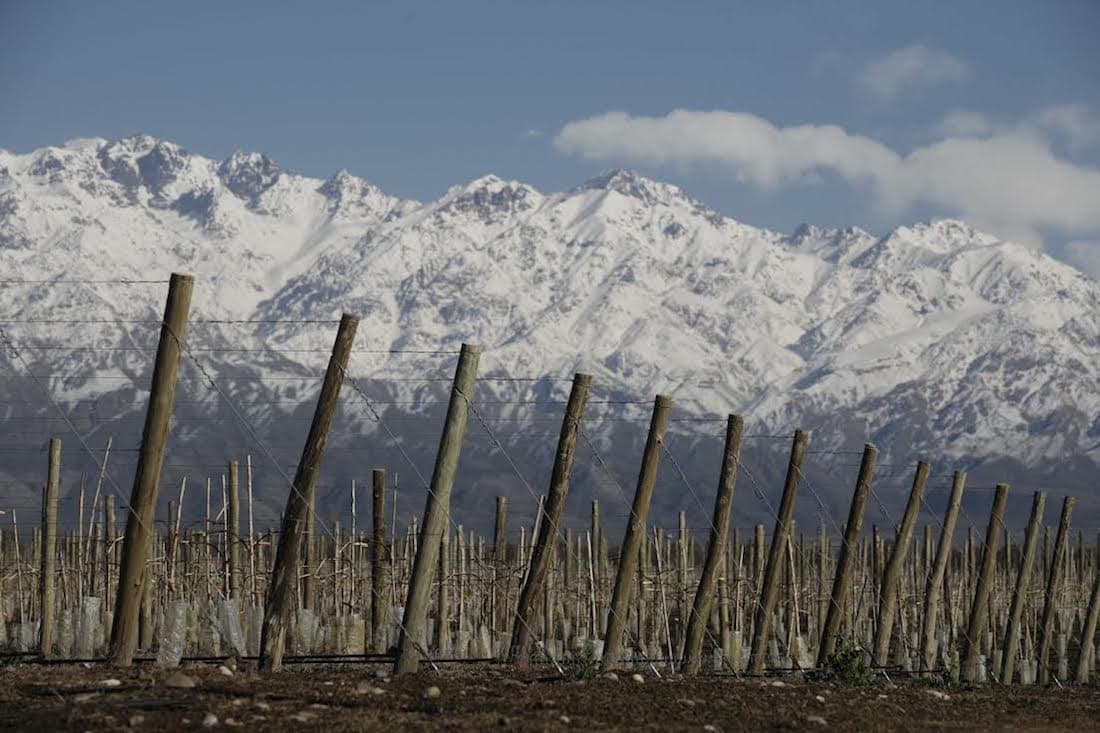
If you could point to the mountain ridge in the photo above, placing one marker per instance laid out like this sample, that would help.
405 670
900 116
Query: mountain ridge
933 339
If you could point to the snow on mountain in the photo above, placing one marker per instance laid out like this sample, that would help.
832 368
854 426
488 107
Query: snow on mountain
934 340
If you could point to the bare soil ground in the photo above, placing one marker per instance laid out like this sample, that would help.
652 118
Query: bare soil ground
359 697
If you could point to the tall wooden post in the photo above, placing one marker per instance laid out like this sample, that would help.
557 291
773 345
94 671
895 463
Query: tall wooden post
1088 633
845 563
888 598
378 605
284 576
110 552
769 592
1054 585
979 610
143 499
635 530
549 528
934 587
233 538
500 559
46 582
715 560
436 512
1023 580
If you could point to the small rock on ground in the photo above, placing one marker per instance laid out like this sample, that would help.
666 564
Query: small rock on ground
179 679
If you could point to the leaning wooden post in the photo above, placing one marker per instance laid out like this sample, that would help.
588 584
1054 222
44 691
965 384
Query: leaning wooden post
378 606
979 610
715 560
888 593
46 583
842 580
1054 584
436 512
934 586
233 538
1023 580
554 509
288 556
143 499
769 589
1088 634
623 592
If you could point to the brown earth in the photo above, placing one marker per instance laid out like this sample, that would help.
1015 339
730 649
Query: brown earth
347 697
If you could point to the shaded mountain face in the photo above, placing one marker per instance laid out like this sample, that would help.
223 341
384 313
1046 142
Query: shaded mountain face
934 341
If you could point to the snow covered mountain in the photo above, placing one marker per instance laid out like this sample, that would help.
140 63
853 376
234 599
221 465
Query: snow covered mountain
934 341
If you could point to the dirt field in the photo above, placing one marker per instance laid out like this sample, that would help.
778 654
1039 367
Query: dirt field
339 698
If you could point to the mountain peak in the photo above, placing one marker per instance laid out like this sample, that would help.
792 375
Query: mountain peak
633 184
490 197
249 174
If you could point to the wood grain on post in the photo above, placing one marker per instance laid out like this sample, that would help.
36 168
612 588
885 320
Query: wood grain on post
138 538
436 512
888 598
1054 585
549 529
46 581
934 588
979 609
378 606
842 580
280 593
715 560
769 589
635 529
1023 581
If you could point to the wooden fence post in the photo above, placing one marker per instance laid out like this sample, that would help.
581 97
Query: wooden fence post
842 580
715 560
46 581
979 610
233 536
436 512
769 589
1054 585
554 509
143 499
934 587
888 593
378 606
1023 580
1088 632
284 576
635 530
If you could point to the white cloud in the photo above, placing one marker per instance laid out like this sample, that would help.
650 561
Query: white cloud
913 67
964 123
1074 122
1009 181
1085 256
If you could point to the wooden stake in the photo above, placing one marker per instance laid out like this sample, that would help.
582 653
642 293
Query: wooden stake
1054 585
378 561
888 593
980 608
554 509
843 578
635 528
143 499
280 593
46 580
774 568
715 560
1023 581
436 512
935 584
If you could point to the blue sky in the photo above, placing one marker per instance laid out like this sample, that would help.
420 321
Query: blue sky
836 113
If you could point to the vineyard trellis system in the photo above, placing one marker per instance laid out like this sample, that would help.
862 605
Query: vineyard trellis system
697 599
